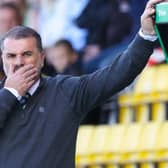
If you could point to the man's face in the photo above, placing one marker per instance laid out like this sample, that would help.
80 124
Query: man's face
8 19
20 52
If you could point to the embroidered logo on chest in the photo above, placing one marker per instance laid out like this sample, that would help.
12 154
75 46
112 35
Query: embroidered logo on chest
41 109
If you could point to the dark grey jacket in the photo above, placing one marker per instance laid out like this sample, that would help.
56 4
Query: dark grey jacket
44 134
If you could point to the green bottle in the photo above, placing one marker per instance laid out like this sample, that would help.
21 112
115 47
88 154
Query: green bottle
161 26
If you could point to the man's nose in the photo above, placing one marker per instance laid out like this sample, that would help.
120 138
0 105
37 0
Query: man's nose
19 61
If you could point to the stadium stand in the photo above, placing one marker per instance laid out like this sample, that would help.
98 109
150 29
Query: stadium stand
148 101
139 139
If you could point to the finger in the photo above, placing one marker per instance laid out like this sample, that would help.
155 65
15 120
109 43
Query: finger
30 72
29 84
11 69
32 77
25 68
26 86
150 12
152 3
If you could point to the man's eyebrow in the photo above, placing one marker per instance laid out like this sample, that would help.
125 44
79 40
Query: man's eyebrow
28 51
8 53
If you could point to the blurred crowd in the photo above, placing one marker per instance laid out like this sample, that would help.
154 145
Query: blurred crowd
79 36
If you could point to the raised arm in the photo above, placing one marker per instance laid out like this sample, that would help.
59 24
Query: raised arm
90 90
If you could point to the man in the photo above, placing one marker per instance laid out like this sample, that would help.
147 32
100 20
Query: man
20 3
42 132
9 17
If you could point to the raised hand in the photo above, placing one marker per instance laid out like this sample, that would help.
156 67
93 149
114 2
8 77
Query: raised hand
21 79
147 19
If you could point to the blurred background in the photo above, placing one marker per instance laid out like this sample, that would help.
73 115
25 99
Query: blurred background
80 36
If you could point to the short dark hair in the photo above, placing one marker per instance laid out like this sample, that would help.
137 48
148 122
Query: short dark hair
65 43
20 32
14 8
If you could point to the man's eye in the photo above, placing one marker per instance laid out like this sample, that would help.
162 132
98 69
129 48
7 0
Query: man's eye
27 53
11 55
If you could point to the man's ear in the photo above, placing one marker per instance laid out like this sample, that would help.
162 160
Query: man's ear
42 58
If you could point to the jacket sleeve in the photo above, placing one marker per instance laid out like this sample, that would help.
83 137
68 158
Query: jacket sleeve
7 101
87 91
